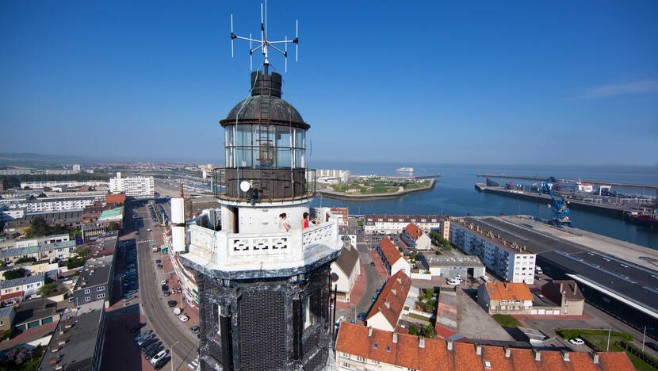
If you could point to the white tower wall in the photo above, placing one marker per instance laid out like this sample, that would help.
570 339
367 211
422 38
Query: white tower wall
177 210
178 238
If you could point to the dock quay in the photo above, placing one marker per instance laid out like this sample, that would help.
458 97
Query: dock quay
616 276
597 182
607 204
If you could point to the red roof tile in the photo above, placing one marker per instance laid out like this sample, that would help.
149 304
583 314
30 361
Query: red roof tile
391 252
118 198
406 351
413 231
508 291
391 299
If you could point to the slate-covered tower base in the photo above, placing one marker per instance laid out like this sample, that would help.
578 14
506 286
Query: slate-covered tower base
261 325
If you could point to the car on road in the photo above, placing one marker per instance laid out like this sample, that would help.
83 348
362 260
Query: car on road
164 282
577 341
160 266
183 318
372 263
195 329
172 303
158 357
148 229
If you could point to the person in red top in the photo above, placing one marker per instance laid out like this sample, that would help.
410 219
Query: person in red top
305 221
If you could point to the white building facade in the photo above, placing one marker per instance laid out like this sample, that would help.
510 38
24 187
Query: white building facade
506 259
393 224
136 186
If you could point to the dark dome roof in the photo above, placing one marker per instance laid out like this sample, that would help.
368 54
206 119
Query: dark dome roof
265 104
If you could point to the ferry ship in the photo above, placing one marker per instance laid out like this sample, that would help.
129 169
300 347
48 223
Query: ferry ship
405 170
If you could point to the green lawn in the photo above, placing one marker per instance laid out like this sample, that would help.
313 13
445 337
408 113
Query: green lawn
506 320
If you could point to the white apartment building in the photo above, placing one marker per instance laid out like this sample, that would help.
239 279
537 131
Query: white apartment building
7 214
59 183
342 175
394 224
49 205
507 259
135 186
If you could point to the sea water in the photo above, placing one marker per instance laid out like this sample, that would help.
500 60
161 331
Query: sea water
455 195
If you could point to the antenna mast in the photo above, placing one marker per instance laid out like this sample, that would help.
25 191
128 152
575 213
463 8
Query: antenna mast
264 44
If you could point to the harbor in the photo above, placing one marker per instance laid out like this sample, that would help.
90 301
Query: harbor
596 196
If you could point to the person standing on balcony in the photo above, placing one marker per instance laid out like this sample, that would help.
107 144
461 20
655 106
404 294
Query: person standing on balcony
283 222
305 221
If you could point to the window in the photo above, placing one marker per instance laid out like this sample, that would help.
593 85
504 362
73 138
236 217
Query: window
100 296
87 291
100 288
87 299
307 312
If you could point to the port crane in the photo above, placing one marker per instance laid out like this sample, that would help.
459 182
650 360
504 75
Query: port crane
560 205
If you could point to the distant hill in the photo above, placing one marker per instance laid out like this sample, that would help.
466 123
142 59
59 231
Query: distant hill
35 160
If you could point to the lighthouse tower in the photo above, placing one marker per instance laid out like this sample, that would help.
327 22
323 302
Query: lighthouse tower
263 276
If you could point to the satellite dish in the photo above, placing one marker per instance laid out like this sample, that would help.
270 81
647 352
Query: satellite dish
245 186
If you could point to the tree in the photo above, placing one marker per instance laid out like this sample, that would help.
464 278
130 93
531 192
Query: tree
51 289
14 273
38 227
428 331
413 330
30 259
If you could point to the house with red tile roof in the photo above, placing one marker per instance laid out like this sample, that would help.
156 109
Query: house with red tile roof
415 237
114 200
505 298
365 348
392 258
347 268
386 311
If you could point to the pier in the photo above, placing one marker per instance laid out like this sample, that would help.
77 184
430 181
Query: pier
597 182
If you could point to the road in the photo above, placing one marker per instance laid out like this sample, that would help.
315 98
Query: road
165 324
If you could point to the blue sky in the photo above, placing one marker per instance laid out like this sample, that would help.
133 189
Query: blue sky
515 82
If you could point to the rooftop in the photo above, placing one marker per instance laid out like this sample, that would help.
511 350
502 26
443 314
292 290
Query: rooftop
115 214
348 258
390 251
95 272
450 260
508 291
34 309
392 297
419 353
74 342
413 231
22 281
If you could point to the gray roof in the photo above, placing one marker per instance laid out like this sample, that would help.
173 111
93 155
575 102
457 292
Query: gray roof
278 110
22 281
77 353
452 260
95 272
6 311
348 259
34 309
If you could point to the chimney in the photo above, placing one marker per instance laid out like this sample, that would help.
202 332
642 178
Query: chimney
595 358
565 356
449 345
394 291
369 331
508 352
478 350
395 338
387 304
537 355
421 342
506 288
399 280
575 287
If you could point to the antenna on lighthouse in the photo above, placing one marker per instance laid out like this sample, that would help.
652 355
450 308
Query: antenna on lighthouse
263 44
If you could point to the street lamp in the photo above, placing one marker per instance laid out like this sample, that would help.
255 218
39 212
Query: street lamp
172 354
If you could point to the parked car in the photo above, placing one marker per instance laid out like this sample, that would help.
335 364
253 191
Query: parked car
183 318
577 341
172 303
454 281
195 329
158 357
177 311
137 327
160 364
